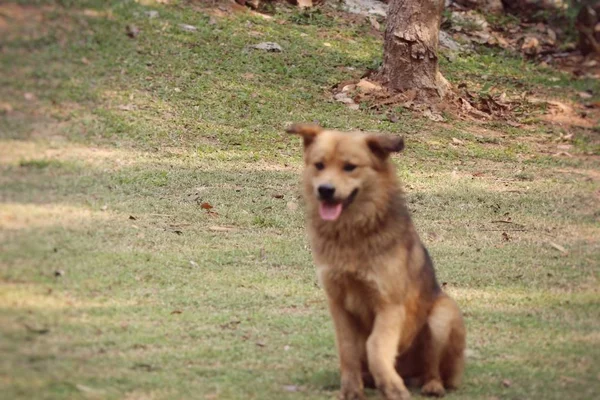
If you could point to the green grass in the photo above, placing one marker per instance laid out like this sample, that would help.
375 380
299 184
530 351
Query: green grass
116 283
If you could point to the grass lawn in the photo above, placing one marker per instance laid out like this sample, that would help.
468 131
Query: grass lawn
118 281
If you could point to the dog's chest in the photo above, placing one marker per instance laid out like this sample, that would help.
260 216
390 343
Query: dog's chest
354 291
358 300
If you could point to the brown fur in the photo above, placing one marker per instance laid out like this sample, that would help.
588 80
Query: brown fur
391 318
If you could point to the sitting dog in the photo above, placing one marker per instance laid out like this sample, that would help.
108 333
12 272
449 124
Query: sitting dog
391 318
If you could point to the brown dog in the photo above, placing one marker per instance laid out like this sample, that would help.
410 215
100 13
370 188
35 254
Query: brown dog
391 317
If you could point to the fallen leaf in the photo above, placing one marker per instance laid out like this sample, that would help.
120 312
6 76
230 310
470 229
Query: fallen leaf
260 343
506 383
223 229
291 388
179 225
97 13
558 247
374 23
29 96
435 117
585 95
39 331
206 206
268 46
188 28
85 61
503 221
231 324
477 174
366 86
6 108
132 31
562 153
531 45
467 108
89 390
126 107
193 263
457 141
145 367
564 147
343 98
566 138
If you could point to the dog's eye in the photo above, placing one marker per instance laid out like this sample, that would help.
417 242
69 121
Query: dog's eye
349 167
319 166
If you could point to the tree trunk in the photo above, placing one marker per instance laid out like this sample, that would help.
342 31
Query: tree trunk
411 48
587 20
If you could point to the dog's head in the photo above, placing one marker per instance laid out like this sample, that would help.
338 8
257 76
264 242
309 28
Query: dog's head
345 169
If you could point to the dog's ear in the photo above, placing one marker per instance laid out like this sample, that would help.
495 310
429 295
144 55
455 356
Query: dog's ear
308 132
382 145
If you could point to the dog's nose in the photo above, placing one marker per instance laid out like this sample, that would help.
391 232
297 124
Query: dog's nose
326 191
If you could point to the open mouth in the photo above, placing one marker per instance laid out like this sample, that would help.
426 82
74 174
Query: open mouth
331 210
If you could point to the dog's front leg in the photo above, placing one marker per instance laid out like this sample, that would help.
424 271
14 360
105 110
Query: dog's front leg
351 350
382 348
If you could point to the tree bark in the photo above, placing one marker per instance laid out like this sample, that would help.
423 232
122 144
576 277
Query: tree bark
587 20
411 48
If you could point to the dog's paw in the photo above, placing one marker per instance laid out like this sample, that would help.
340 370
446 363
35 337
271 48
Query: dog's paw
351 394
395 393
433 388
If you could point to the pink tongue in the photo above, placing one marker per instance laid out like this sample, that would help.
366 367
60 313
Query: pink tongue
330 212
